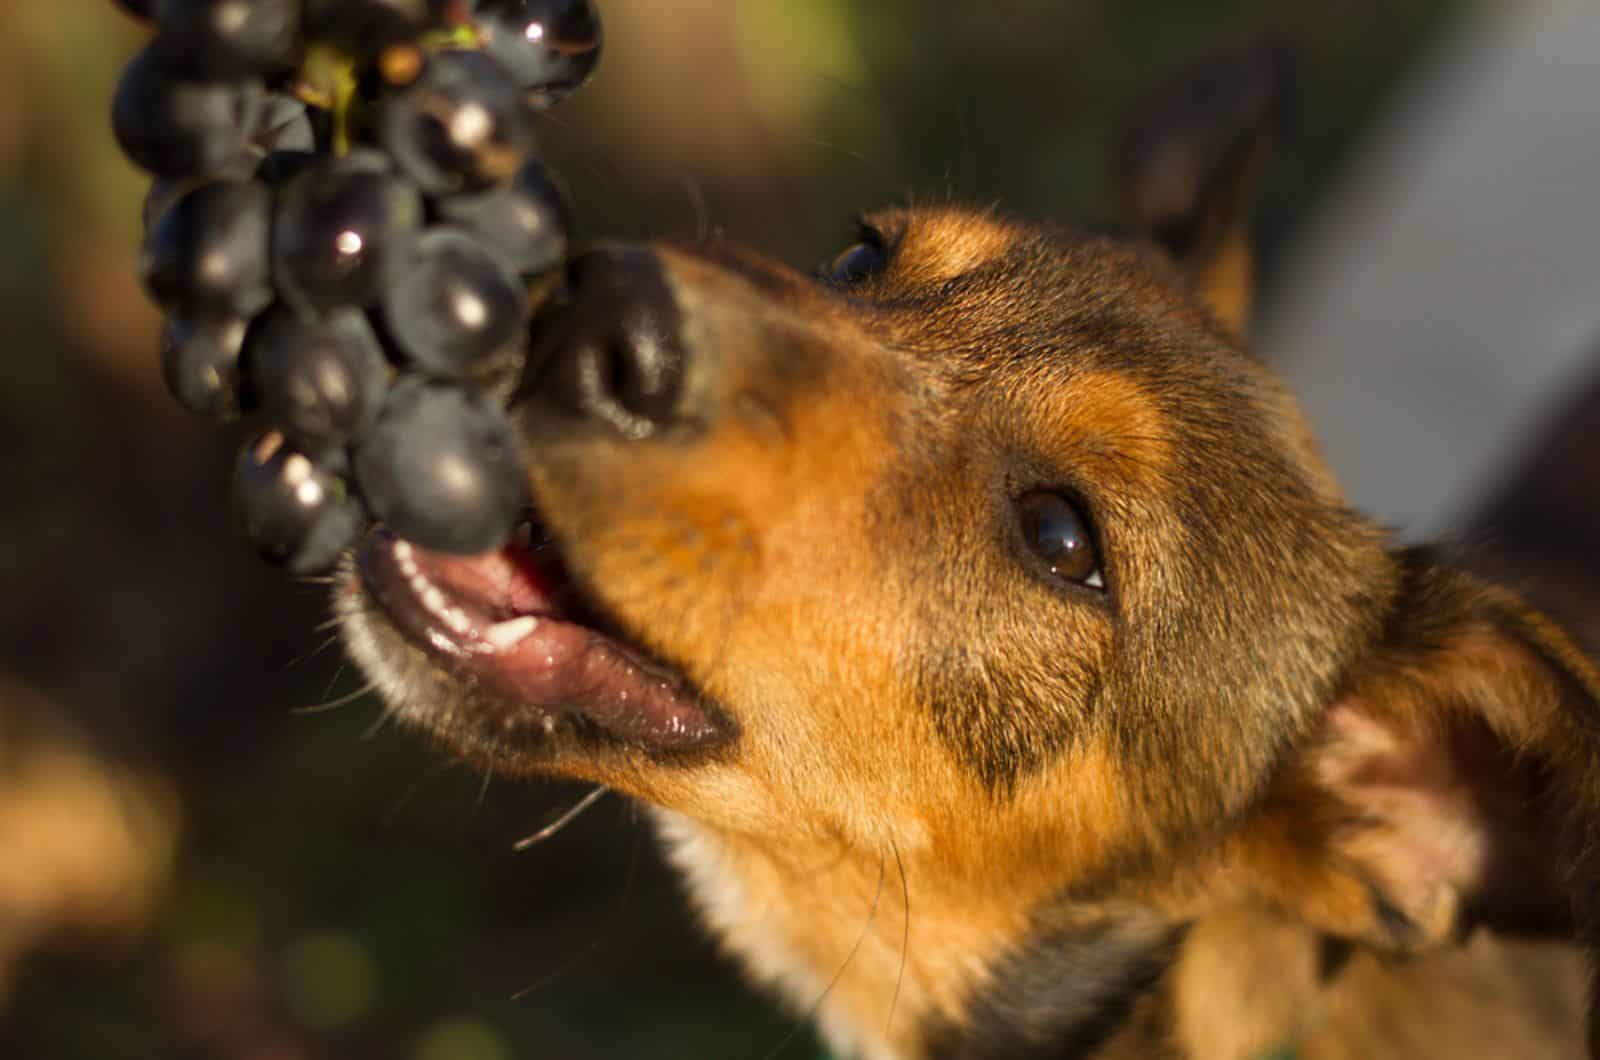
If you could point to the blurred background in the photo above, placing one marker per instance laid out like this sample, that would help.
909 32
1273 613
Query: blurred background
210 848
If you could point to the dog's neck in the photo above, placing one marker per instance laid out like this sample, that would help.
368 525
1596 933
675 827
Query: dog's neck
974 972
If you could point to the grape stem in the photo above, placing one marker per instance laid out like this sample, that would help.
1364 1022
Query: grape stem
463 37
328 80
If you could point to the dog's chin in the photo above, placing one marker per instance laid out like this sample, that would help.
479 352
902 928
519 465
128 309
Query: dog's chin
507 661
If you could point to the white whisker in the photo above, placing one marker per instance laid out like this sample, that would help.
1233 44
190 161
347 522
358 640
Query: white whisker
561 822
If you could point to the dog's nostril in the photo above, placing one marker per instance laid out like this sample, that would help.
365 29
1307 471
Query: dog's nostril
645 371
608 370
623 346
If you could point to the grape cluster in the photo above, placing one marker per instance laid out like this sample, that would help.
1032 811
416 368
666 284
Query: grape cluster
347 226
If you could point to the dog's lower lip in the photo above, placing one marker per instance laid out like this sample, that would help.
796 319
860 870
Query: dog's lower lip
500 622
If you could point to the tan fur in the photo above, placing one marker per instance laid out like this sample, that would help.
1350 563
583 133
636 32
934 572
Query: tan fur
1111 420
971 240
1227 283
1251 983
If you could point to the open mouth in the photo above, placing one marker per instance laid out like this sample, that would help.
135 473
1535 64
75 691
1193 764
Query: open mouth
512 623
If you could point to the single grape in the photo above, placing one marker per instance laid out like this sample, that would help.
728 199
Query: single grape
208 251
321 380
456 302
461 125
441 467
200 363
527 220
549 46
294 510
174 127
230 39
342 227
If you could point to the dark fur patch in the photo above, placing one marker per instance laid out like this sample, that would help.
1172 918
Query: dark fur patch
992 719
1062 996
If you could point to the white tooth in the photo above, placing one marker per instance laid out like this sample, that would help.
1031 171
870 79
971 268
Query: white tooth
406 558
506 635
548 724
433 600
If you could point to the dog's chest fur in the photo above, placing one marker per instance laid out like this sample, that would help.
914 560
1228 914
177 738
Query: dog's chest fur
753 922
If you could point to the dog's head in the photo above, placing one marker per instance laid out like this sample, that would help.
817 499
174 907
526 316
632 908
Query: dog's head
993 551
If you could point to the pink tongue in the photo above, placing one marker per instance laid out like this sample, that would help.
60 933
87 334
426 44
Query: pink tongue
527 651
557 664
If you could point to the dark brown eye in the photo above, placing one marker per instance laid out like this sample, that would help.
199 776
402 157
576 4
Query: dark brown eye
1057 533
855 264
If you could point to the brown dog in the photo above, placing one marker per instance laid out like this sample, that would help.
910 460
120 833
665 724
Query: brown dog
1009 672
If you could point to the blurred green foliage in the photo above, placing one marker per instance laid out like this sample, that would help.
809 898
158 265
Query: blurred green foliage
341 891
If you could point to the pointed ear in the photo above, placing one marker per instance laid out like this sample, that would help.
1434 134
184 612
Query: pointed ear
1189 161
1454 780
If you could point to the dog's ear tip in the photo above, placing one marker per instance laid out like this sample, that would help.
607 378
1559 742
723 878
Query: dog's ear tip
1182 142
1190 155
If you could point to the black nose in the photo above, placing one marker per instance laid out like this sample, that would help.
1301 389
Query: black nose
615 351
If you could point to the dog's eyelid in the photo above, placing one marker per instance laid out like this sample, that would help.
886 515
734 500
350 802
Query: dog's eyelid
872 235
881 232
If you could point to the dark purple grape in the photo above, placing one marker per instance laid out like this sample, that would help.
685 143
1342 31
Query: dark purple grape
342 227
140 9
526 220
174 127
455 303
460 126
550 47
230 39
283 139
322 380
280 167
165 192
366 27
162 194
287 138
208 251
441 467
200 363
285 125
294 511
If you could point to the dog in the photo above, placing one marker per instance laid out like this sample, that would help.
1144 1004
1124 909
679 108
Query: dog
1008 674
